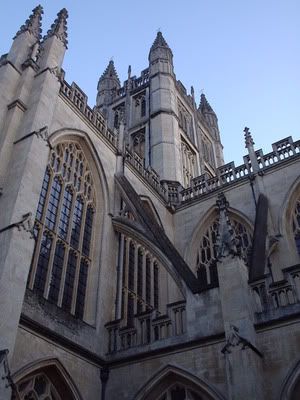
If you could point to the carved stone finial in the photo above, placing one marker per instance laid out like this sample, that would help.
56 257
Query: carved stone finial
226 241
110 72
59 27
129 71
33 23
204 105
192 91
248 138
159 42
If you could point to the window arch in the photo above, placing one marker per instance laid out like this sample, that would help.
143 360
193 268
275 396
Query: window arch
64 229
206 264
296 224
37 387
180 392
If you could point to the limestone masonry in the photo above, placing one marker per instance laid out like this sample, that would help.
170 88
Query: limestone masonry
134 263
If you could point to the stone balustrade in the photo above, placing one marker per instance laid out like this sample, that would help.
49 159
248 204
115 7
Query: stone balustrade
149 174
74 94
270 296
147 328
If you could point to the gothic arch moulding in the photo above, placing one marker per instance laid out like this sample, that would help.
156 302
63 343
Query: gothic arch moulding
88 146
171 377
74 196
291 385
45 375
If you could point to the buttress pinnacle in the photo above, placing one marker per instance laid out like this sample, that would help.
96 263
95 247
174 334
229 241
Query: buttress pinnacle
59 27
204 105
33 23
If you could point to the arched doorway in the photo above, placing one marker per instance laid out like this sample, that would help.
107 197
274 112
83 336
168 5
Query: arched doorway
291 386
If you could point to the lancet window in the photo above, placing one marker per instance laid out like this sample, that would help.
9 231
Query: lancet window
206 267
208 153
64 230
188 158
140 270
138 140
296 224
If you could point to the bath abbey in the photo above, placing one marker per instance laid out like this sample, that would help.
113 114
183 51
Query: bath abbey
135 264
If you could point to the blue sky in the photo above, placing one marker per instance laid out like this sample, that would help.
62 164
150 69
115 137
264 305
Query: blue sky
244 54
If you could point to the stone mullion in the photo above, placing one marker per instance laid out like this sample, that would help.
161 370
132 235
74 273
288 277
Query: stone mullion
74 295
125 288
136 249
152 282
144 280
120 273
54 241
67 249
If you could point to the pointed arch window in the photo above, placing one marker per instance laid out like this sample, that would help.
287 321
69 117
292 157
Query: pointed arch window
206 264
64 230
37 387
296 224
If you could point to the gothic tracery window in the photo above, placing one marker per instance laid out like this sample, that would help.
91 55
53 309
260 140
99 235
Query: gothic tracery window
296 224
206 267
64 227
37 387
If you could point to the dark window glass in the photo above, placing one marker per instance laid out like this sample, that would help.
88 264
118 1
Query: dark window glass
124 260
140 274
43 196
69 281
76 222
131 266
155 285
148 281
42 265
116 120
65 213
81 289
57 268
53 204
86 244
178 393
297 240
130 311
143 108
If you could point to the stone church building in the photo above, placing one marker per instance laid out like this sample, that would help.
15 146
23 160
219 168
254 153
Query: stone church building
134 263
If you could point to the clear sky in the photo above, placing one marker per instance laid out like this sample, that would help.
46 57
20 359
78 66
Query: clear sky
244 54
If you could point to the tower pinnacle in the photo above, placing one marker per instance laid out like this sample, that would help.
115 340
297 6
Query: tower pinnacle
33 23
59 27
204 105
110 72
159 42
248 138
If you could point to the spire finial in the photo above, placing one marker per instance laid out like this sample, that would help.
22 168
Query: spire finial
159 41
226 242
110 71
204 104
59 27
248 138
33 23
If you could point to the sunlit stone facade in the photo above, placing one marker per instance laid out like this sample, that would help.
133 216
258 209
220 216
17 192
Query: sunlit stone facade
134 263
